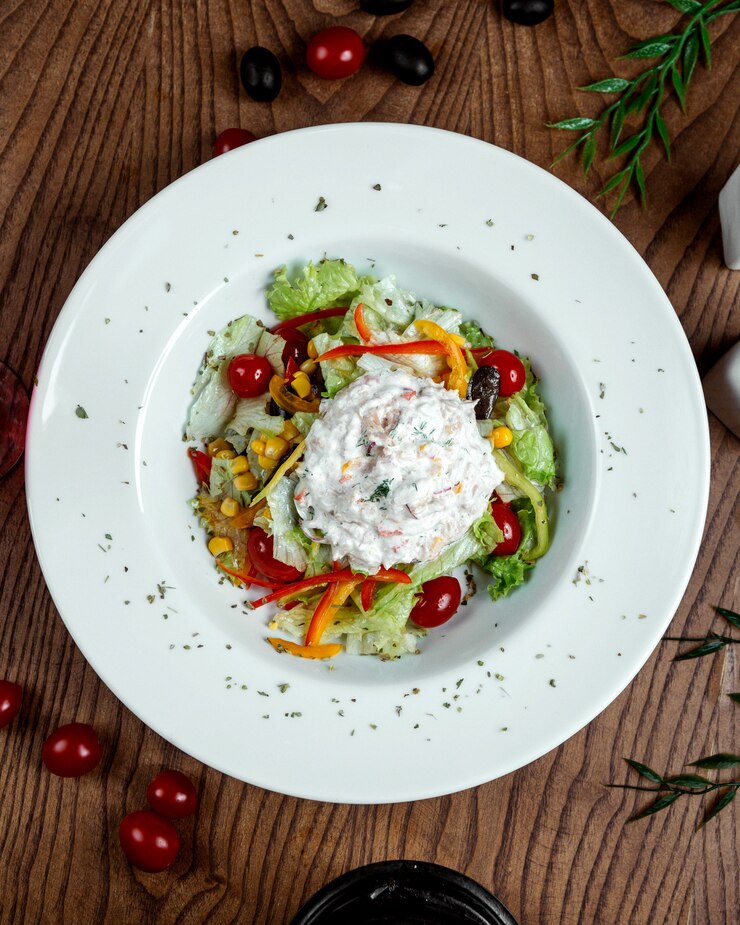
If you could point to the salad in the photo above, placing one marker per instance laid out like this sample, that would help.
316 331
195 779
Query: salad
354 455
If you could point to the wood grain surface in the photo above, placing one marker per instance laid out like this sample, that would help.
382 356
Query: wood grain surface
105 102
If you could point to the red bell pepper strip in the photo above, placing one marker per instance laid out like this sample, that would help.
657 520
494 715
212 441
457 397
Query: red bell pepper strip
334 596
201 463
367 594
308 317
362 329
479 352
325 651
345 574
413 346
247 579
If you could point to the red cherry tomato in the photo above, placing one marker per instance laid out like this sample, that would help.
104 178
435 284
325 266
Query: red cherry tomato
249 375
172 794
508 524
11 700
335 52
510 367
439 601
296 346
72 750
148 841
232 138
260 551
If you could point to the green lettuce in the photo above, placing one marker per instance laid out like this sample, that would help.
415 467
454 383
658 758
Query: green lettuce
289 542
337 373
532 445
487 531
474 334
323 285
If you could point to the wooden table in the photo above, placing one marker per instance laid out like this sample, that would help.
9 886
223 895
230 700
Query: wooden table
105 102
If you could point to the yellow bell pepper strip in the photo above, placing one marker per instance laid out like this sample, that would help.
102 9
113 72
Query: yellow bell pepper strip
288 400
362 329
246 578
334 596
345 574
293 648
279 473
409 346
518 480
457 380
309 317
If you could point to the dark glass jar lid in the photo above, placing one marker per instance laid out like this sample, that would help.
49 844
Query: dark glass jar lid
403 893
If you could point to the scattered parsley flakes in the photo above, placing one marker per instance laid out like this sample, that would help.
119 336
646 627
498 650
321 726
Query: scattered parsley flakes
602 389
321 205
377 187
553 683
167 287
381 491
530 237
80 412
372 726
480 663
283 688
459 682
291 237
535 276
489 222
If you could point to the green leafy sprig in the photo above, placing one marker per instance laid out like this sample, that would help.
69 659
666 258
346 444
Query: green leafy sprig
669 789
676 55
710 643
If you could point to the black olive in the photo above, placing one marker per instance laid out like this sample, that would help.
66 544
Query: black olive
483 390
408 59
528 12
261 75
385 7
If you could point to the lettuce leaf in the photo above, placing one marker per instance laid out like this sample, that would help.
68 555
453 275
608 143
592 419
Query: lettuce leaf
474 334
213 406
289 542
532 445
487 531
250 414
323 285
337 373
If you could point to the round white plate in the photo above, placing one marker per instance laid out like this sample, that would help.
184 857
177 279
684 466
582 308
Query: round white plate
464 224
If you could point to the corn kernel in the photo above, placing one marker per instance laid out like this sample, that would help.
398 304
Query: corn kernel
239 466
230 507
308 366
246 482
215 445
266 462
501 436
275 448
289 431
301 384
311 349
219 544
225 454
258 446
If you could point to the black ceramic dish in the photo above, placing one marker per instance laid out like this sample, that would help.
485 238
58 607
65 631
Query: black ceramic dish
403 893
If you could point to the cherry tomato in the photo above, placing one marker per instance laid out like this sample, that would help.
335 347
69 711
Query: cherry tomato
439 601
11 699
261 555
508 524
232 138
172 794
72 750
510 367
296 346
335 52
148 841
249 375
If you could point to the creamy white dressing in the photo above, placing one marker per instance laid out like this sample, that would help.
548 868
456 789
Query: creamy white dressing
393 471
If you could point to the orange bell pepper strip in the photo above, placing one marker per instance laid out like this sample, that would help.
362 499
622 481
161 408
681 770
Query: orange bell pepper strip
362 329
308 317
288 400
334 596
409 346
246 578
457 380
305 584
325 651
245 519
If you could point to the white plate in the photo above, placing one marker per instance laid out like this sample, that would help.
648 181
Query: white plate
502 684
